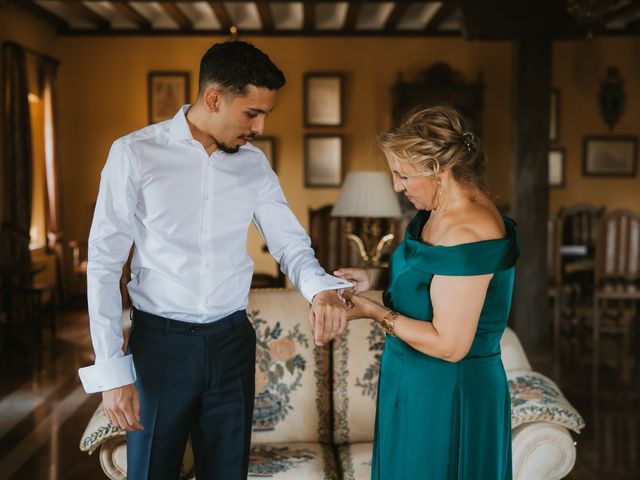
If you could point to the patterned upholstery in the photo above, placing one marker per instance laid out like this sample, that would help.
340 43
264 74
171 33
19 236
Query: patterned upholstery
355 461
293 461
356 361
292 375
535 397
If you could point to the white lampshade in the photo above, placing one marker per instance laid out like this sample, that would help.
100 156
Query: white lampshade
367 194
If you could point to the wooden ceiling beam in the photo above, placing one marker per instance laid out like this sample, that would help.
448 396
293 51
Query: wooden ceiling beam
352 16
266 17
132 15
260 1
441 15
177 15
89 15
396 15
309 16
222 15
624 11
41 13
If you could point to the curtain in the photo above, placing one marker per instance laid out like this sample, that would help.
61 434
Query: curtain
48 79
17 156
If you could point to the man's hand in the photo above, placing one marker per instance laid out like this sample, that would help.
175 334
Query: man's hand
328 316
123 407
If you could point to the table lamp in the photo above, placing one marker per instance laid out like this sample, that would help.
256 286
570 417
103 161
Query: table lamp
369 196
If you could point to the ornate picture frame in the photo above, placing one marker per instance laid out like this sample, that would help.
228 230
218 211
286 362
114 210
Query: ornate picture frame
557 167
323 161
609 156
166 93
267 145
323 99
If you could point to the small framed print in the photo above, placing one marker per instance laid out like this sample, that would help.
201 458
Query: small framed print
556 167
609 156
322 161
268 147
323 99
167 92
554 116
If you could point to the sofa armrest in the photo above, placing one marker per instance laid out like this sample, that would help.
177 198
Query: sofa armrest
513 356
542 450
113 458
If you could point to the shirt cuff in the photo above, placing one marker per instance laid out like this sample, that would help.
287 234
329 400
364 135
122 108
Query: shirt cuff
320 281
108 375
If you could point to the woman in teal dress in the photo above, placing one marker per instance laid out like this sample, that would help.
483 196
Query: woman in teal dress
443 399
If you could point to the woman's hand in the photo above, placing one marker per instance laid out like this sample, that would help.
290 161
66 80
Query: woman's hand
362 307
358 276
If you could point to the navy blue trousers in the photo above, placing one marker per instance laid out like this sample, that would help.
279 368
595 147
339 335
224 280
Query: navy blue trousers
192 379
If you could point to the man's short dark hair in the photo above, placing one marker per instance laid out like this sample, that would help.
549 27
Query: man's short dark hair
233 65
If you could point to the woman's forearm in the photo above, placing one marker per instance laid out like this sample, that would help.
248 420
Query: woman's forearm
421 335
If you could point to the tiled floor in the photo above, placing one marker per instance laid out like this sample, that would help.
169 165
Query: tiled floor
43 412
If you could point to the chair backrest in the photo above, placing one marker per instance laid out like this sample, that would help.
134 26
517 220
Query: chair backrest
328 240
554 258
579 223
618 253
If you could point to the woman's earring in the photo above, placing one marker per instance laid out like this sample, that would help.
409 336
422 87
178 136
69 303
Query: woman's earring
438 195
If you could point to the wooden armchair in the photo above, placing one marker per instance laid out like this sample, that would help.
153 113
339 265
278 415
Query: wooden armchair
617 279
579 224
554 275
79 271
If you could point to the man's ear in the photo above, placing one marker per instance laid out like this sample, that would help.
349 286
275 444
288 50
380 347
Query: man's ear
212 99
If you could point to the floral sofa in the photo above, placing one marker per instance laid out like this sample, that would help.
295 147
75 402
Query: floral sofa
315 407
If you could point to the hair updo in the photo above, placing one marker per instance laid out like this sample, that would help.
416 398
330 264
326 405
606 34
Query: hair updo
437 138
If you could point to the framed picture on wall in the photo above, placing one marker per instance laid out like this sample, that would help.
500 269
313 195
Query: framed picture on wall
167 92
322 161
609 156
554 116
323 99
268 147
556 167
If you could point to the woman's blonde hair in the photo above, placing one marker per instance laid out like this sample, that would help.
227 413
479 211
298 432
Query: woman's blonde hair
436 138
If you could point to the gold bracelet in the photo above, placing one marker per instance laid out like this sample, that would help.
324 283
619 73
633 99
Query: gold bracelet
388 322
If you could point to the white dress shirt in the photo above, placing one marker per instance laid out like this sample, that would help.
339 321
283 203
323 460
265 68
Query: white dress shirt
187 214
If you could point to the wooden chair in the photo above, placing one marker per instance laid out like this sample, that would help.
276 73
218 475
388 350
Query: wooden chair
617 279
554 275
333 250
579 224
265 280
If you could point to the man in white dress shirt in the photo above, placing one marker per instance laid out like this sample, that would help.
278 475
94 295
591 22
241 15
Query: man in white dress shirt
184 192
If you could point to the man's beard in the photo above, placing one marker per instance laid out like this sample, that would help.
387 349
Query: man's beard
227 149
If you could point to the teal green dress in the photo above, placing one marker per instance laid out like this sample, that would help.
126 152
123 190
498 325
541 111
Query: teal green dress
438 420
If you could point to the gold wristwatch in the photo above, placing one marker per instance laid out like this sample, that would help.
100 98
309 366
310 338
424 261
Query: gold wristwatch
388 322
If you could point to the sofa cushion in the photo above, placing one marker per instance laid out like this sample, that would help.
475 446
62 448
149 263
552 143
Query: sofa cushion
293 461
356 363
292 374
355 461
536 398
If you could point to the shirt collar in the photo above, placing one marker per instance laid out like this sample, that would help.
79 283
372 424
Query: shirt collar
178 126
